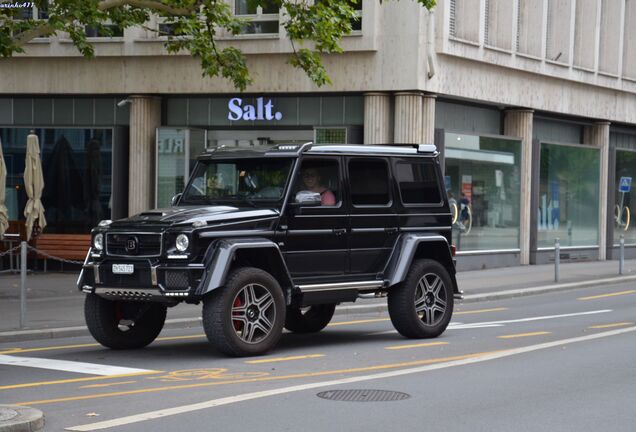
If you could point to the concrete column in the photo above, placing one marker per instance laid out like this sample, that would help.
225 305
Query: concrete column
377 118
428 119
408 118
518 123
599 135
145 118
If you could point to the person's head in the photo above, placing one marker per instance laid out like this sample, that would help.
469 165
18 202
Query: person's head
311 178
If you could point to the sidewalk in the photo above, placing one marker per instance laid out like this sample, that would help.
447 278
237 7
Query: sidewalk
55 307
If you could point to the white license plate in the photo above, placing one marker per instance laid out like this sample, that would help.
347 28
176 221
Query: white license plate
123 268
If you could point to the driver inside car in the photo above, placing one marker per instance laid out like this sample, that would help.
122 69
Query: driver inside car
312 182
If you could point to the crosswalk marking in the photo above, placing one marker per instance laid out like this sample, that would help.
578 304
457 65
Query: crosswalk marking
69 366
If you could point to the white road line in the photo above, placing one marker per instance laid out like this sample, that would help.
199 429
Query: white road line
68 366
487 324
256 395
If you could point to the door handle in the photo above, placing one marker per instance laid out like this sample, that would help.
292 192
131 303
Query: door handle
339 231
391 230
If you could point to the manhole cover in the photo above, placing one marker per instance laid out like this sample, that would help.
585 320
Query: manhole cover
363 395
7 414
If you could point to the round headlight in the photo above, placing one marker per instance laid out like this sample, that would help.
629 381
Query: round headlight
98 241
182 242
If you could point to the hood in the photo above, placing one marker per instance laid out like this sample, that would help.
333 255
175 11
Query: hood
189 214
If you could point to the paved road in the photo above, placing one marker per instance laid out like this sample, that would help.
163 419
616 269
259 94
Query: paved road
561 361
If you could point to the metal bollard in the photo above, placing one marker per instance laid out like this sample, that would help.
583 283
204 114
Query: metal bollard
621 259
23 270
557 259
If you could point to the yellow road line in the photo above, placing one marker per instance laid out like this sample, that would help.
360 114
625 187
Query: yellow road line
607 295
420 345
76 380
358 322
107 384
261 379
170 338
283 359
524 335
478 311
603 326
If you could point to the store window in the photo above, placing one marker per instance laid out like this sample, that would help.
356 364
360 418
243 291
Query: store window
482 179
262 15
77 169
624 208
568 196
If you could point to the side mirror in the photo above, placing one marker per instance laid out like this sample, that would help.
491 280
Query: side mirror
175 199
307 199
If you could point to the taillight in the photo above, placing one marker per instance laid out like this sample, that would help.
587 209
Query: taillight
453 249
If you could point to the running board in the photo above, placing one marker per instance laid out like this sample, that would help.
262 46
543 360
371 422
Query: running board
359 286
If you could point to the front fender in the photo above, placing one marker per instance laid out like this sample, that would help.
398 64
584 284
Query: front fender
222 253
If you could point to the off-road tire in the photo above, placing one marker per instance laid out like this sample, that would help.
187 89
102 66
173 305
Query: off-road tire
103 318
309 320
220 322
402 301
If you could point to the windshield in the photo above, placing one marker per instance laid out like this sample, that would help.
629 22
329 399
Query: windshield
240 182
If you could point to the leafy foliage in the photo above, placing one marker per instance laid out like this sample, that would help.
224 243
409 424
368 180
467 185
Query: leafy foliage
314 28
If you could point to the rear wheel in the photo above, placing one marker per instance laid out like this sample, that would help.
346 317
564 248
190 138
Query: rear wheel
421 306
311 319
120 324
246 316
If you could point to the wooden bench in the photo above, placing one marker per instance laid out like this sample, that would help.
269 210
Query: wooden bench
66 246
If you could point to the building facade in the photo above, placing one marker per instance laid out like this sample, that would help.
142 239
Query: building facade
532 104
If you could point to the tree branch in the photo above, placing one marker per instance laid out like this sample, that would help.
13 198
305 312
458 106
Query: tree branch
147 4
44 29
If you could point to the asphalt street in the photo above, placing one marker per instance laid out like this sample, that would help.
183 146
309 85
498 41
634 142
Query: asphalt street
559 361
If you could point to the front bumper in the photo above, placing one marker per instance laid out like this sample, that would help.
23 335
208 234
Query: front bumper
148 280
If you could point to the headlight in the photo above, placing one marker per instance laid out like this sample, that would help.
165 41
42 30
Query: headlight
98 241
182 242
105 222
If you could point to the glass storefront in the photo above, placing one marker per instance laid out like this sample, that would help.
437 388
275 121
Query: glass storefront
77 169
623 212
482 176
568 206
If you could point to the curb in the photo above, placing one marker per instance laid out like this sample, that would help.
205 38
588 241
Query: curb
181 323
14 418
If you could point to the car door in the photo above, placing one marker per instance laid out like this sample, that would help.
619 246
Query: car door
374 222
315 245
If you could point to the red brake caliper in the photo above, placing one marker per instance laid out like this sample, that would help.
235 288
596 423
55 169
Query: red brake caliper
238 325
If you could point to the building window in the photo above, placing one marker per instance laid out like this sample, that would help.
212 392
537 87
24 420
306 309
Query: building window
623 210
263 16
106 31
568 196
482 180
330 135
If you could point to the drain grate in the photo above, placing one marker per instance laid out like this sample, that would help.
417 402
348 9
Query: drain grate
363 395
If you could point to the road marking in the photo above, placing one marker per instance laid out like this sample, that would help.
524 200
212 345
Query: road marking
607 295
358 322
420 345
107 384
68 366
284 390
520 335
478 311
74 380
602 326
283 359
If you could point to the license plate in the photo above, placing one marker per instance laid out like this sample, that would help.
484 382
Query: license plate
123 268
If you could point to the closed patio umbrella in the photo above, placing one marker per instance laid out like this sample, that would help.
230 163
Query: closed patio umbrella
33 184
4 218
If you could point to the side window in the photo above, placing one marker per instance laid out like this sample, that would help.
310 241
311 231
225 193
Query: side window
321 176
369 179
418 182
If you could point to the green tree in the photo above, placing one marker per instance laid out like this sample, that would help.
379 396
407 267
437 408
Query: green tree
314 28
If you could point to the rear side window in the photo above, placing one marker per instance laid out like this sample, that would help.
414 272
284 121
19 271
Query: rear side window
369 179
418 182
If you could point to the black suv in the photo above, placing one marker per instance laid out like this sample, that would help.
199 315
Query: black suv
273 237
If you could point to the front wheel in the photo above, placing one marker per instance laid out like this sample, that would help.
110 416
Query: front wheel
311 319
246 316
120 324
421 306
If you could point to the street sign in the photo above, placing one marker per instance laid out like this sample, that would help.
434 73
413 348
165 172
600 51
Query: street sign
625 184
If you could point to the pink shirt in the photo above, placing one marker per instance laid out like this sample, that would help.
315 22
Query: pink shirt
327 198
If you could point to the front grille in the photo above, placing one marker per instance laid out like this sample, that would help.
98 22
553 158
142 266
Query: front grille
176 279
133 244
